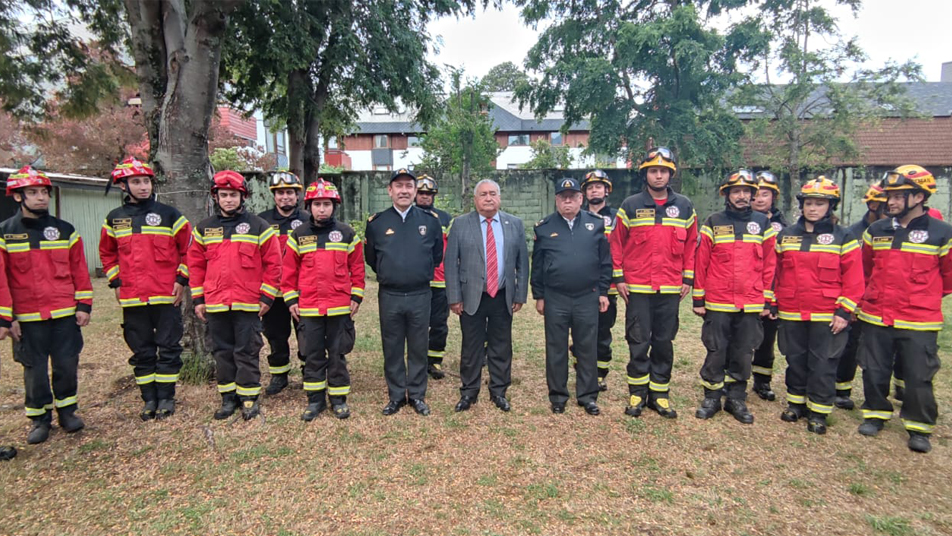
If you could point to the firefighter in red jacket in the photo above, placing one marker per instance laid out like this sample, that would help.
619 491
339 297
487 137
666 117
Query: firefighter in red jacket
652 246
323 285
284 218
819 282
439 307
52 299
734 272
909 269
143 245
234 272
6 319
875 200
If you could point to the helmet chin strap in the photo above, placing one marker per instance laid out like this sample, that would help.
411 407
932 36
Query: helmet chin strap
596 201
906 208
36 212
662 189
735 208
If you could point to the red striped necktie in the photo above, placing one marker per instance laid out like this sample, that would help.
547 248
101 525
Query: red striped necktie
492 269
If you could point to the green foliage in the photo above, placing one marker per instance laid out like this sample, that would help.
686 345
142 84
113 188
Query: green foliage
327 168
504 77
637 73
545 156
893 526
227 158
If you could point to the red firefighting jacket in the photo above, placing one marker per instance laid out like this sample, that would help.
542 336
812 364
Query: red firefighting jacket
6 301
736 261
143 248
323 269
819 273
46 268
653 247
909 271
439 277
234 263
283 225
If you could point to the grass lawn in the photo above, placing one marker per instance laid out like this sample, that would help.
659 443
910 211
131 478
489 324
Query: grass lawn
482 472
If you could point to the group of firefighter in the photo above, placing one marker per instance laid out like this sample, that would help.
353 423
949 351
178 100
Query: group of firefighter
832 297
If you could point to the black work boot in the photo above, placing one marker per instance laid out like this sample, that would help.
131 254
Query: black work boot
150 399
738 408
763 390
339 406
843 400
919 442
435 370
166 395
816 423
277 384
229 405
68 420
602 384
316 404
709 408
871 427
249 407
662 405
40 430
636 404
793 413
7 453
148 410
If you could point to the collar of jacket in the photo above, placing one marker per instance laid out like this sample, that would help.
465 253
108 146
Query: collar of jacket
295 215
649 201
316 225
741 215
140 206
35 223
825 225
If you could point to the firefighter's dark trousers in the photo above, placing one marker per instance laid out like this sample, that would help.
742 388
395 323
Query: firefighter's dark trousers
580 315
651 323
918 351
236 345
603 351
277 329
812 353
325 368
762 368
439 312
730 339
57 342
154 334
846 370
404 320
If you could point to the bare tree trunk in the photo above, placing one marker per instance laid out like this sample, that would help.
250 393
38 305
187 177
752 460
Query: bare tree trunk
297 96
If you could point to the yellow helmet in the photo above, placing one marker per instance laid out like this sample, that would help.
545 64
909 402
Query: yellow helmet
768 180
660 156
741 177
597 176
875 193
284 179
820 188
909 177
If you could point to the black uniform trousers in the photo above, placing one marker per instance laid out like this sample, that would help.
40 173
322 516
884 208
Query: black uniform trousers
325 368
762 367
846 369
57 341
277 329
651 322
580 315
404 320
154 334
439 313
812 353
880 346
606 321
487 335
730 339
236 344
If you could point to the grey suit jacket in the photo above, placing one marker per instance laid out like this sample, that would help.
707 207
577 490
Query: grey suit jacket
465 261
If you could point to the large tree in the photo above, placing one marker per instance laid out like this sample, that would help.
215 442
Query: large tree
814 93
315 65
504 77
639 70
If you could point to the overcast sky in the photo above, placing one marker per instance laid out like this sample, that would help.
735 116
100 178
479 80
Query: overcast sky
887 30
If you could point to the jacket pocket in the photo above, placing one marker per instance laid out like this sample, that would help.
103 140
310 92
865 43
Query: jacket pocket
60 258
163 249
247 252
828 268
923 266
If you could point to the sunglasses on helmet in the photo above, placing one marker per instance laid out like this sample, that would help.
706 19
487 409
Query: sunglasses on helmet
278 179
663 152
767 177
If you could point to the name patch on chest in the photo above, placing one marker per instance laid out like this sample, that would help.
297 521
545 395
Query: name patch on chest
792 240
121 224
644 213
307 240
22 236
882 239
720 230
214 232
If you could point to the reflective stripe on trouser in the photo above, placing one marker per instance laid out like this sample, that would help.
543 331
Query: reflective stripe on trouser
277 324
730 339
578 314
918 351
154 334
58 342
812 353
439 312
651 323
762 366
236 344
324 366
404 319
846 369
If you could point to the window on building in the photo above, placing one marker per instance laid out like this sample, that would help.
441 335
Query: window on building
555 139
512 166
381 141
518 139
332 142
413 141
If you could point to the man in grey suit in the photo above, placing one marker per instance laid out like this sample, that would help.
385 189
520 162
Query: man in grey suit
487 271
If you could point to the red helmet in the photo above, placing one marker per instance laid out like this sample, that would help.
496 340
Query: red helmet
131 167
321 189
229 180
26 177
